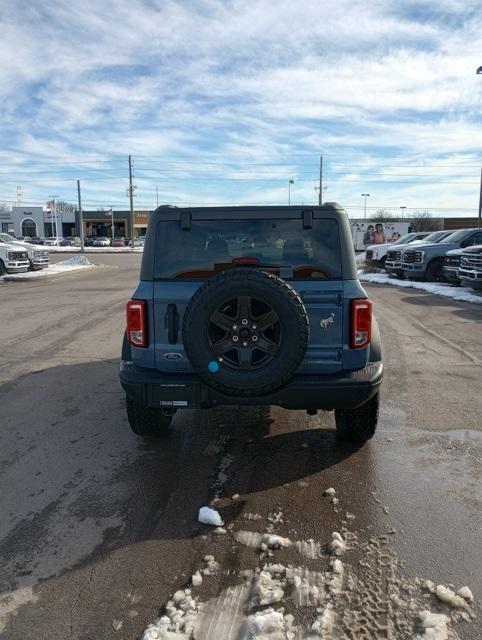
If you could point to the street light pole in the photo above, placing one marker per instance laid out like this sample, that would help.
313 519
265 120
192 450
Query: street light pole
403 210
321 181
53 217
290 182
479 219
81 220
365 195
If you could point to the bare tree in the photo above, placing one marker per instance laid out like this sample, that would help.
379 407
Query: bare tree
382 215
424 221
65 207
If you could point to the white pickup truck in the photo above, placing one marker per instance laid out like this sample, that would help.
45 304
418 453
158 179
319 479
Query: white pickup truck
13 259
38 257
376 254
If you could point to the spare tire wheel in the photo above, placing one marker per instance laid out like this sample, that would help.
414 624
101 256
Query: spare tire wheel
245 332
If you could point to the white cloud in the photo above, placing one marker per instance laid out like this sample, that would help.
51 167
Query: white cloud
248 81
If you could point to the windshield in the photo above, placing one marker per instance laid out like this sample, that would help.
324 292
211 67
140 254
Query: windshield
404 239
455 236
7 238
211 246
436 236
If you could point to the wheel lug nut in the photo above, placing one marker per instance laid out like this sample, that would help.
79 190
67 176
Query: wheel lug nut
254 338
244 321
254 327
235 326
245 344
235 338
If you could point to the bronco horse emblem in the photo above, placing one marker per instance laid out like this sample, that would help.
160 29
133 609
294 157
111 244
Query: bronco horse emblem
327 322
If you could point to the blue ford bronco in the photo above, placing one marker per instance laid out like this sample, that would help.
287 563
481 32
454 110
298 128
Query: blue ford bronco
251 306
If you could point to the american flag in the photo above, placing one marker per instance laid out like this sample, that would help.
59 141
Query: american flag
479 70
109 212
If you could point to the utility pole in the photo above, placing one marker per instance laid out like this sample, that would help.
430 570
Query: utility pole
131 200
157 196
479 220
403 210
81 220
365 195
290 182
53 217
320 192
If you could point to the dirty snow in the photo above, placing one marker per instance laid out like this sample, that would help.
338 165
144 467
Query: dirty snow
466 593
65 266
197 579
463 294
329 492
210 516
449 597
337 545
435 625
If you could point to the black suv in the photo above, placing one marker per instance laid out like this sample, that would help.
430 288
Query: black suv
251 306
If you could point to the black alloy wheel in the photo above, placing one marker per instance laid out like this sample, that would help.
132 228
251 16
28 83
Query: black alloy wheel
245 333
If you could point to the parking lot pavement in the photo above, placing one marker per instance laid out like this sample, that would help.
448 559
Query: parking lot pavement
99 528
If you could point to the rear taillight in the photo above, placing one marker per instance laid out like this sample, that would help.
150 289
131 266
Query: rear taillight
361 323
137 322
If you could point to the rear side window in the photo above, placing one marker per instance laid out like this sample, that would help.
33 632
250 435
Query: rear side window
210 246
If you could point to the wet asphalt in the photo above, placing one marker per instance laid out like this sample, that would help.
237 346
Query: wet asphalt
98 528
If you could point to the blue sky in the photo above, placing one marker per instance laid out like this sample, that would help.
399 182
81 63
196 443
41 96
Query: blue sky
224 102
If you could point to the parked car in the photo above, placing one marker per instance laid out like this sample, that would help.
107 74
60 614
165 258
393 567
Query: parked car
38 257
451 266
376 254
101 242
32 239
13 259
70 242
53 242
220 326
393 263
427 261
118 242
470 272
89 241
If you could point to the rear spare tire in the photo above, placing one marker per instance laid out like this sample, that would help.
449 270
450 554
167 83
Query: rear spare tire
245 332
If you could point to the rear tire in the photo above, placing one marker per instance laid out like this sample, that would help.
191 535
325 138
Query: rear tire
3 271
358 425
147 421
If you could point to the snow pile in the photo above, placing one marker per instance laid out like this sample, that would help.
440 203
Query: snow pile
269 625
447 290
65 266
212 567
466 593
329 492
449 597
265 541
210 516
179 621
196 579
337 545
435 626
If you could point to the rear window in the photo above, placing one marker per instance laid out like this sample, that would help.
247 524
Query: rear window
211 246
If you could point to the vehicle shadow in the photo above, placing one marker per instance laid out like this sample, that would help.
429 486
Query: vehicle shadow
78 487
465 310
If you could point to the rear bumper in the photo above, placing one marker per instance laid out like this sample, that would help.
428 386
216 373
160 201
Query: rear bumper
346 390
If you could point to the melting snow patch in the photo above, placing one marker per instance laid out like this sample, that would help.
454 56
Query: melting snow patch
212 567
329 492
446 290
466 593
72 264
210 516
449 597
337 545
197 579
435 625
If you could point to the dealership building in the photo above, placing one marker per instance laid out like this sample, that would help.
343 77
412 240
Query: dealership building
38 221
